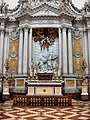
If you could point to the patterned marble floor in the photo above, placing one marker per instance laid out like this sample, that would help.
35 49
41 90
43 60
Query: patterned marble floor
79 111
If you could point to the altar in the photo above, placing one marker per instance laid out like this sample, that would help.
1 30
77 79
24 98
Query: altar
45 85
44 89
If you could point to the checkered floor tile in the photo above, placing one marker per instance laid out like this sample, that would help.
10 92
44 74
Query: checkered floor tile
80 110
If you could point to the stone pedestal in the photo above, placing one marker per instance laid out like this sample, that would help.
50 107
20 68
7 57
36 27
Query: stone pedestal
6 94
84 94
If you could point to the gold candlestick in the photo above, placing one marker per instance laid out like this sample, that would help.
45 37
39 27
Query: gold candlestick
28 73
56 72
53 73
7 65
36 72
61 74
32 72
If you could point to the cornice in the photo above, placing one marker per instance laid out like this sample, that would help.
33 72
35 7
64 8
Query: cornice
62 11
24 25
64 25
66 15
4 18
23 15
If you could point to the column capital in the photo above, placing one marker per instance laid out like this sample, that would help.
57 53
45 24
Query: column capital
69 30
25 25
20 28
26 29
64 29
59 30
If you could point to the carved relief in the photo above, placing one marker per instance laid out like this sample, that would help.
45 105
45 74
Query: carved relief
57 90
13 46
45 43
45 36
31 90
77 54
37 2
13 54
14 33
13 64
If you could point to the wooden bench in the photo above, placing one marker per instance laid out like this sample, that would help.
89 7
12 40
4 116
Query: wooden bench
23 100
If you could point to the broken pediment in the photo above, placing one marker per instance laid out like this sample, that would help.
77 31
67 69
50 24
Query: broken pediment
66 10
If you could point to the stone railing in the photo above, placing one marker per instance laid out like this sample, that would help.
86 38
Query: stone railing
23 100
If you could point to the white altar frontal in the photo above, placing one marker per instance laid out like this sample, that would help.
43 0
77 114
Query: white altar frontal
47 44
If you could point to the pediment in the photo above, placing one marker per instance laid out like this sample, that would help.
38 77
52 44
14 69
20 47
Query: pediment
45 10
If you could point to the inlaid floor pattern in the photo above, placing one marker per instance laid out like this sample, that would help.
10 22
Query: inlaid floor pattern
78 111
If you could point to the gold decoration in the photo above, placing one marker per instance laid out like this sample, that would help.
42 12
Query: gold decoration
44 91
13 47
85 89
13 64
5 89
12 83
77 60
69 83
57 90
20 82
30 90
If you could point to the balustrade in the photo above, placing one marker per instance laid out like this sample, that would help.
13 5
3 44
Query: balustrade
42 100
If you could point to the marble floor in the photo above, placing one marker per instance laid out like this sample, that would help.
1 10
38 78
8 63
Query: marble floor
80 110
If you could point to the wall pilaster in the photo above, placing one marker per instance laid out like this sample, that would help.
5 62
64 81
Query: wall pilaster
20 57
70 54
64 51
25 51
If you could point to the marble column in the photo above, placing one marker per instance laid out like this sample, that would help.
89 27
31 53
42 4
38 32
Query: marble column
70 52
30 48
60 49
25 51
20 57
89 47
85 45
64 51
1 50
5 51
